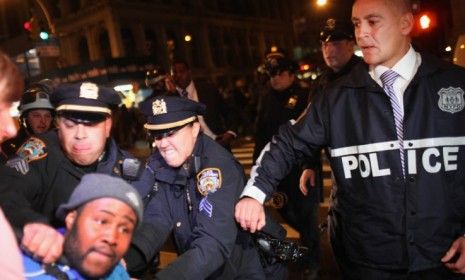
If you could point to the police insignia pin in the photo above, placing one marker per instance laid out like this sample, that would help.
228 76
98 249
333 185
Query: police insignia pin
32 149
159 107
88 90
451 100
208 181
292 102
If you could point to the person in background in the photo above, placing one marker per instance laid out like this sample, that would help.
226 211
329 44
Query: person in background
11 88
393 130
220 121
100 217
36 115
337 48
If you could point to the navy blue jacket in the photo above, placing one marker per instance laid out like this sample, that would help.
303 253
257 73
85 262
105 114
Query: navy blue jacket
196 203
379 218
49 181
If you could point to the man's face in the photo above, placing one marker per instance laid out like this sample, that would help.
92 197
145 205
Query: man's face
337 53
178 147
7 125
83 143
381 30
282 80
181 75
98 236
39 120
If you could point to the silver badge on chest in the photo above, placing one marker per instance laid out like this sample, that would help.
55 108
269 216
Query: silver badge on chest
451 100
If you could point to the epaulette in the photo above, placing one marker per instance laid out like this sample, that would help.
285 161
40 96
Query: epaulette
32 149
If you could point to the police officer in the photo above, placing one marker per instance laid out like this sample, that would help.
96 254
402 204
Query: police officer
49 167
285 101
36 115
191 185
337 48
393 128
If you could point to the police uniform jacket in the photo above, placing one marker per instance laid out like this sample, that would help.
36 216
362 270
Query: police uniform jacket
196 203
48 180
276 108
379 218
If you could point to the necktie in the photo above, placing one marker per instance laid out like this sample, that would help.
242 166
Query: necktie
388 78
184 93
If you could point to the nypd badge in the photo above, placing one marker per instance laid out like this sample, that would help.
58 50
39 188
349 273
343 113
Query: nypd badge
292 102
32 149
159 107
88 90
451 99
208 181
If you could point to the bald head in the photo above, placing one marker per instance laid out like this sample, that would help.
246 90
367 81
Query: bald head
382 30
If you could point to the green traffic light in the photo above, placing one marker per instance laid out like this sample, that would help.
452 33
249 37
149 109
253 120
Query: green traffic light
43 35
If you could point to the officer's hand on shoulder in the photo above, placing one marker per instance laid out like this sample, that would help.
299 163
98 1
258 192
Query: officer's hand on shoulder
42 242
250 214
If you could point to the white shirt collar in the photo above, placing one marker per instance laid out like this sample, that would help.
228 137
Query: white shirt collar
406 67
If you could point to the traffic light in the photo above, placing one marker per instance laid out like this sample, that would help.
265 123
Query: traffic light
425 21
28 26
31 28
43 35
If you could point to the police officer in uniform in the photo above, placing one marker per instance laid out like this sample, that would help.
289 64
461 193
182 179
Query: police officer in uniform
49 167
191 184
285 101
337 47
36 116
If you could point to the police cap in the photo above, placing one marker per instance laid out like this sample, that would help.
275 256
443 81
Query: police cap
169 113
335 30
276 65
84 102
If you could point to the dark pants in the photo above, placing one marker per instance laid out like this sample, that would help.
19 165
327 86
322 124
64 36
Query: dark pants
301 212
350 271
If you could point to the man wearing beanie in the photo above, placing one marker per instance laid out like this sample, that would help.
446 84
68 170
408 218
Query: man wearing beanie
100 217
191 184
48 167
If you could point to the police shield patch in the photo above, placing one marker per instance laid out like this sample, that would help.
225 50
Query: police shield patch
451 100
208 181
32 149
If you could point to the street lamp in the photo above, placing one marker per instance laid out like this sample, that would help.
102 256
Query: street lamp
321 3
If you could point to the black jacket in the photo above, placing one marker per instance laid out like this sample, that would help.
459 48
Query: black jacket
48 182
275 109
379 218
210 244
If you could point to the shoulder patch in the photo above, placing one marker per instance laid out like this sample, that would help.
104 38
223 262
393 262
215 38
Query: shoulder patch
32 149
208 181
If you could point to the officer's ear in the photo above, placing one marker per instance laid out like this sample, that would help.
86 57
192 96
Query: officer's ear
70 219
195 129
108 124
